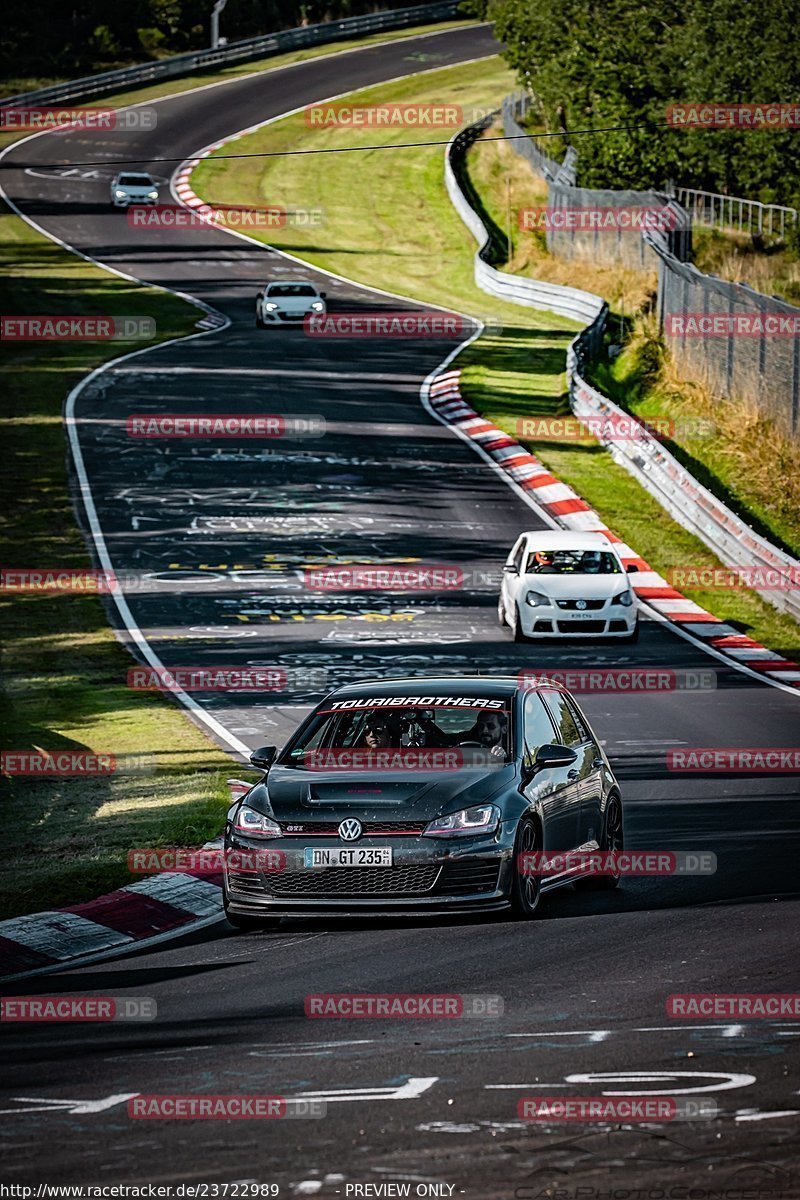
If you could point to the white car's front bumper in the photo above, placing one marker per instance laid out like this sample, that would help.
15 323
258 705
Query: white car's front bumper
612 620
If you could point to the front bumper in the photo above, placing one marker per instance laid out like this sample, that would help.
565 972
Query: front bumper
281 318
127 201
426 876
549 622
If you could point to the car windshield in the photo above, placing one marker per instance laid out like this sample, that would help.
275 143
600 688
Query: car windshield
479 730
572 562
135 181
291 289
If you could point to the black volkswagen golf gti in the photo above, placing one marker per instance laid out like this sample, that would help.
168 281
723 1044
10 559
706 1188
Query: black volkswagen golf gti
421 795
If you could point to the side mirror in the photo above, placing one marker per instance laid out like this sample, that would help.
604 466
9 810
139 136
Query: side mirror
510 569
552 754
323 295
264 757
632 569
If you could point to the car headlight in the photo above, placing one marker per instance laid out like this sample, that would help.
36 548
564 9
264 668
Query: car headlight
119 193
270 307
255 824
318 306
483 818
537 600
625 598
152 195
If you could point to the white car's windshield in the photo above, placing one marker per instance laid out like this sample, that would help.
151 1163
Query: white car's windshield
572 562
135 181
291 289
479 732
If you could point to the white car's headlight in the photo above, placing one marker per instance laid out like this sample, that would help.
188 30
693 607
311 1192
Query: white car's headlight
119 193
152 195
483 818
625 598
537 600
255 824
318 306
270 307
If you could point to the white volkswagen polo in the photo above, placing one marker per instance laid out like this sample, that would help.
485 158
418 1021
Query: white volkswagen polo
562 584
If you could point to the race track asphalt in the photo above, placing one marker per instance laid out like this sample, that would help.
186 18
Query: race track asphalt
585 987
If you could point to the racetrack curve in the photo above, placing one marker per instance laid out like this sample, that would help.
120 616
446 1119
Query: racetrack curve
386 481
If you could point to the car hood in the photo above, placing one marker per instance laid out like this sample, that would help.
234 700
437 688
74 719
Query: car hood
576 587
139 189
307 796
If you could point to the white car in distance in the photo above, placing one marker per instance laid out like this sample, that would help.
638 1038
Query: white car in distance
287 301
558 584
133 187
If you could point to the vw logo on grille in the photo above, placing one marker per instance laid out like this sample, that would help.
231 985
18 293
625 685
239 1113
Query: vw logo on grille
350 830
580 604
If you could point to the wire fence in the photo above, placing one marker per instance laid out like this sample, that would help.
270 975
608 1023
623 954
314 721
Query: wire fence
743 344
714 211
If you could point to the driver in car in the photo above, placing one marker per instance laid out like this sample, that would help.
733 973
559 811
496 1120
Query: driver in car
488 731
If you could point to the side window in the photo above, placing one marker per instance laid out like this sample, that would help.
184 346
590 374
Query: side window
566 729
519 554
538 726
577 716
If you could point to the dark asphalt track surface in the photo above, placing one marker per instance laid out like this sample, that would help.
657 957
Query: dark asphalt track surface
586 986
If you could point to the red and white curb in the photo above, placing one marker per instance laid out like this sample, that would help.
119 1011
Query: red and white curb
571 512
156 909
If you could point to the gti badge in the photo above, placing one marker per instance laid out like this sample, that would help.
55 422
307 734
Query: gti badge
350 830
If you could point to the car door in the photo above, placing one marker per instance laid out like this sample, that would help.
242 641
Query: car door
511 578
592 780
555 788
569 732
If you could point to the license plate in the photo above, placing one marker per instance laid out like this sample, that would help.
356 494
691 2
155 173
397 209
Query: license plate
316 856
584 616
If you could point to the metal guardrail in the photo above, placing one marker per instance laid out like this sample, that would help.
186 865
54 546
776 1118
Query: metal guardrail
566 302
714 211
185 64
644 456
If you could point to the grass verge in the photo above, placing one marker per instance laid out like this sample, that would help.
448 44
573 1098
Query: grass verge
64 672
398 230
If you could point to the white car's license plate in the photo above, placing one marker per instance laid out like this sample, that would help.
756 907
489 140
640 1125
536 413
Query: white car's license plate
584 616
316 856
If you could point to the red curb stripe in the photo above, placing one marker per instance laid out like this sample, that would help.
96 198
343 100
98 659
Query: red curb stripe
543 480
561 507
691 618
658 593
15 957
133 913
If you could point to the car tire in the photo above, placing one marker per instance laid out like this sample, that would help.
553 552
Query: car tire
526 891
519 636
613 839
501 613
259 323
